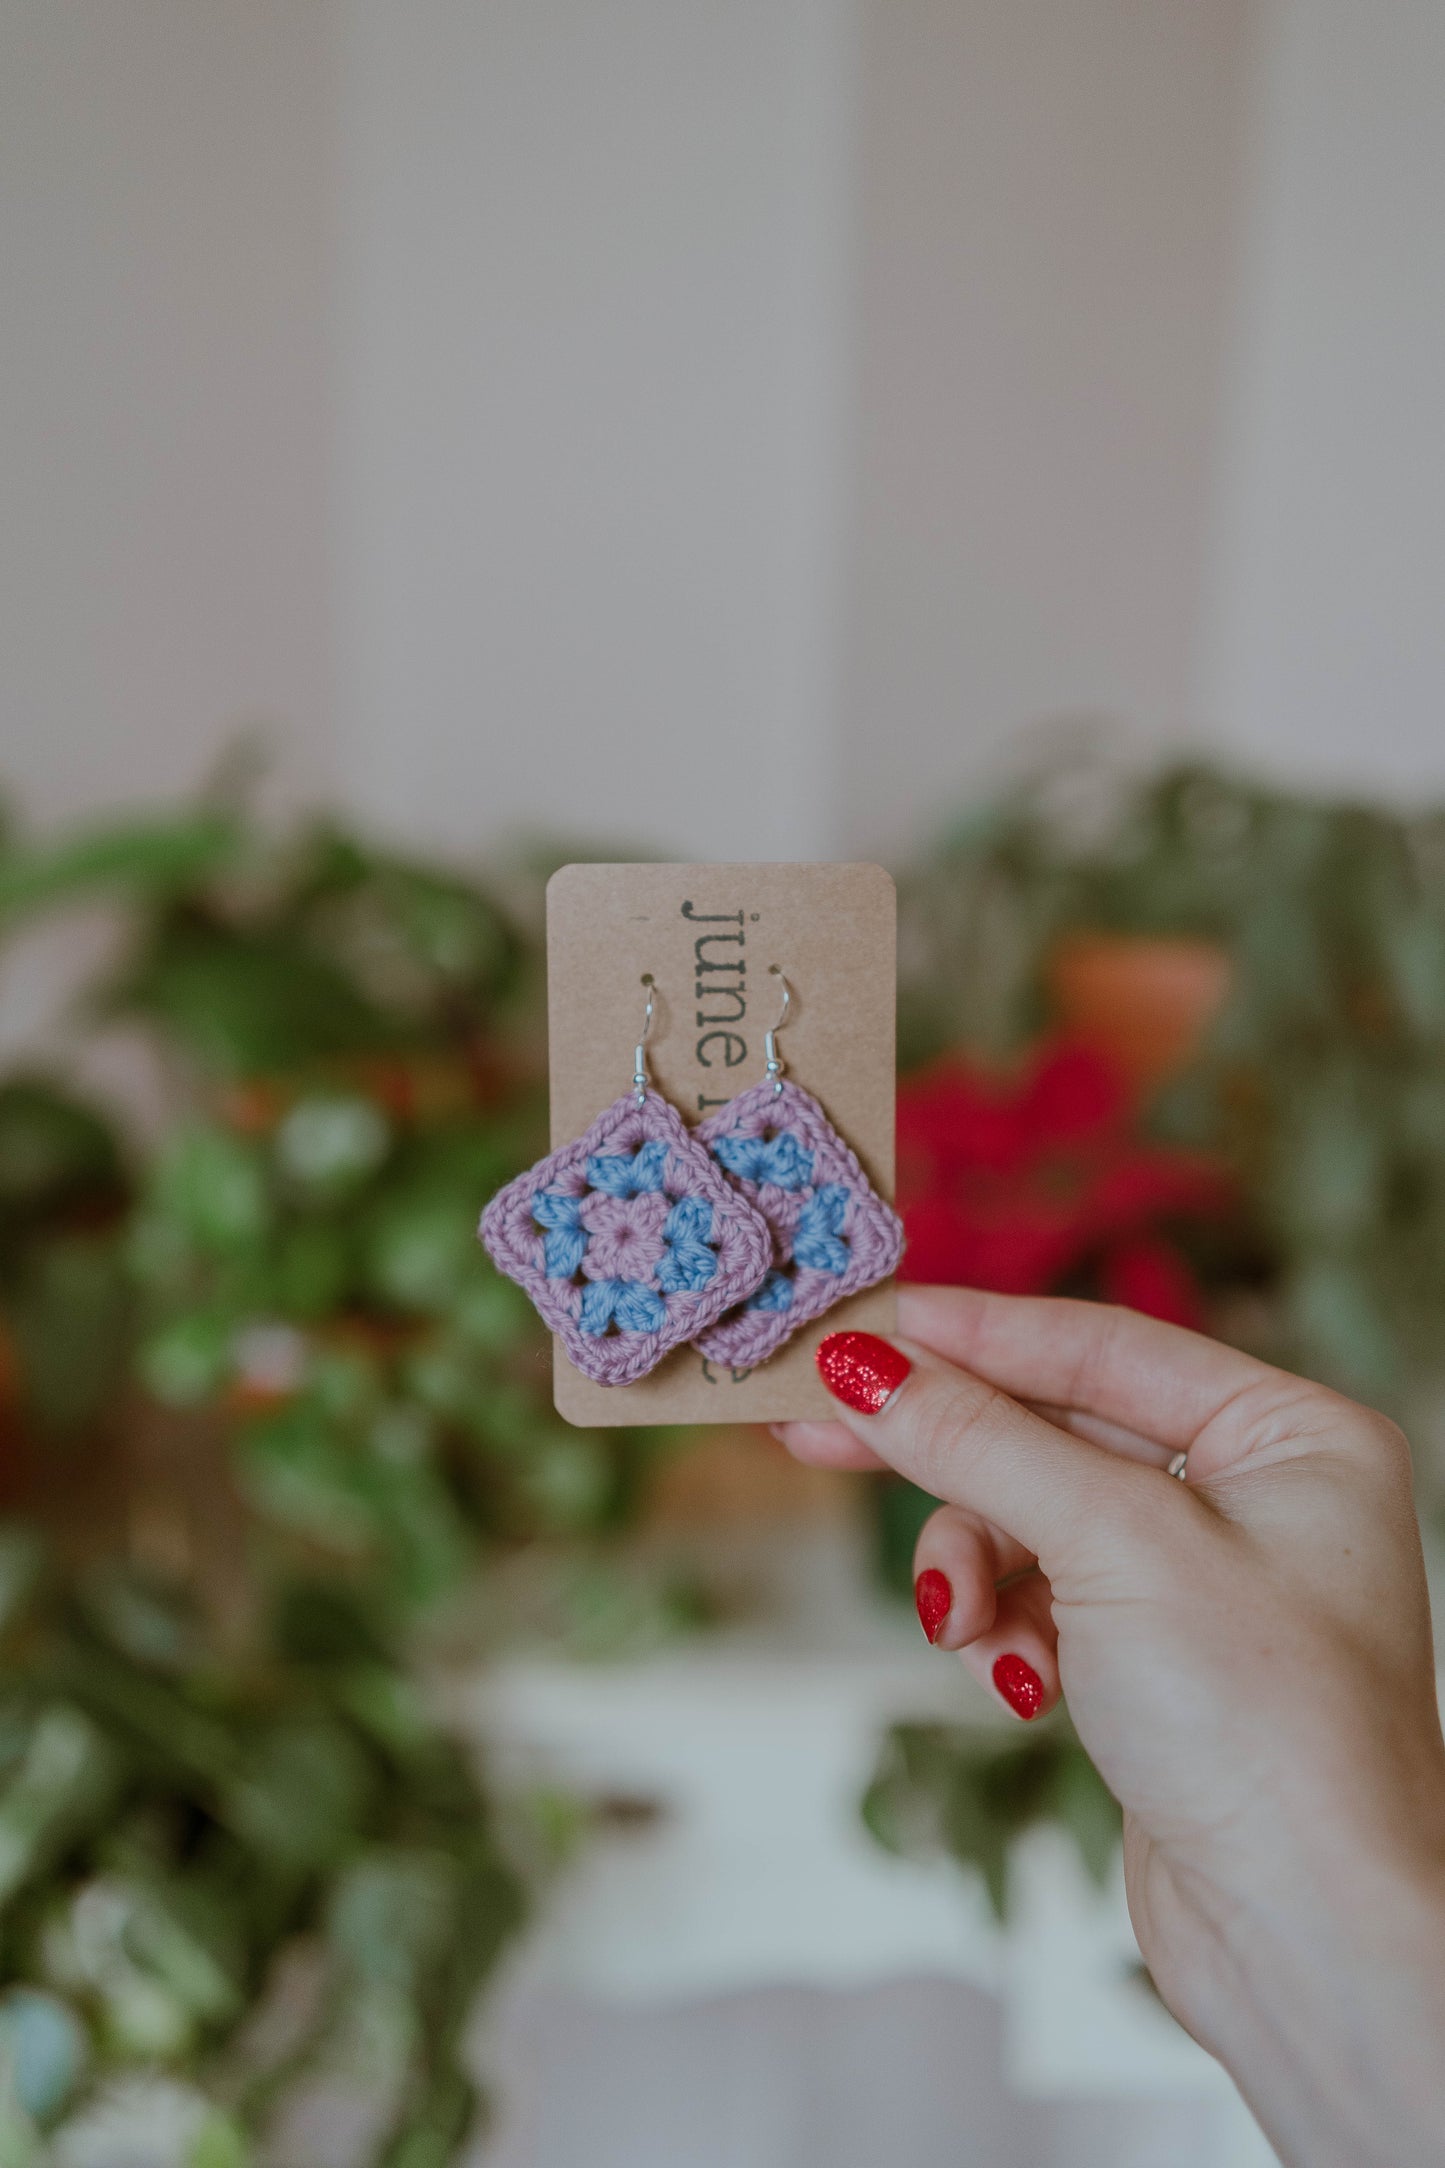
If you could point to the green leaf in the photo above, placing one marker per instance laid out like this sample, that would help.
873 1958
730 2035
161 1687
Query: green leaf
389 1707
219 2143
1414 946
252 1003
344 1383
306 1793
435 2127
391 1913
158 1719
213 1186
491 1313
419 1532
21 2144
22 1568
150 1622
66 1784
1328 1183
971 1792
298 1470
568 1479
326 1623
178 1943
447 926
185 1362
419 1247
1343 1336
53 1148
312 1272
898 1510
152 859
70 1317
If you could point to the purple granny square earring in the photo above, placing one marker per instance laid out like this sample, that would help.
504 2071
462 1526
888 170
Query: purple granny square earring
631 1240
832 1232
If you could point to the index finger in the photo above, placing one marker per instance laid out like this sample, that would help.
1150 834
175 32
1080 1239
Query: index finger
1159 1380
968 1443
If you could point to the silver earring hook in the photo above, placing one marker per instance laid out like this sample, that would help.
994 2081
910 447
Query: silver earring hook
770 1038
639 1064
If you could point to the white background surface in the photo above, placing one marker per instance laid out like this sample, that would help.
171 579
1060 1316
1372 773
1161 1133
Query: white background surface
748 1965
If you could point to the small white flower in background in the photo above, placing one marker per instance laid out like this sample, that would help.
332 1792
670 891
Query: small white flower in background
333 1141
136 2123
269 1357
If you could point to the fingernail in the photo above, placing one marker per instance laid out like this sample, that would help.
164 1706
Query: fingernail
1020 1685
861 1370
933 1595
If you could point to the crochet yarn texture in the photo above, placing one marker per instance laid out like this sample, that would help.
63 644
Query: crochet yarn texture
832 1232
629 1241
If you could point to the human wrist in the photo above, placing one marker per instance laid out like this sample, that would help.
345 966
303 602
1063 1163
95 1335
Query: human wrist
1326 2003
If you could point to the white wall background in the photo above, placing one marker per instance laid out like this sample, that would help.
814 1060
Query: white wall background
1327 648
1048 202
165 372
590 342
716 425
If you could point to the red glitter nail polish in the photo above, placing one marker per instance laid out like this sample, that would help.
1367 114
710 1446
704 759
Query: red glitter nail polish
933 1596
1020 1685
861 1370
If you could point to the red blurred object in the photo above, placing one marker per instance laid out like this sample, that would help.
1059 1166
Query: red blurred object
1026 1181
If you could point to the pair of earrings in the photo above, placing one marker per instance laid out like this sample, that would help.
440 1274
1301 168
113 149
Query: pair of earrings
643 1234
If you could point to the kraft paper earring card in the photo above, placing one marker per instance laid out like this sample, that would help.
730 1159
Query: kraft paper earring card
713 938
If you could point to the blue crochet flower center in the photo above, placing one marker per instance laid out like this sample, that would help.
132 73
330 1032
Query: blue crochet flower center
819 1243
783 1160
776 1293
628 1174
688 1261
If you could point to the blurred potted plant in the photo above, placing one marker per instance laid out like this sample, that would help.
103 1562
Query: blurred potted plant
205 1813
353 1044
1319 1080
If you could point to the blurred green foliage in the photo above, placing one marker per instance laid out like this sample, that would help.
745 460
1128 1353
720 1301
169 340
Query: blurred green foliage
388 1393
217 1836
245 1873
355 1042
969 1792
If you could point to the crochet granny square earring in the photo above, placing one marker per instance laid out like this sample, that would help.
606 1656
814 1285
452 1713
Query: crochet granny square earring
631 1240
832 1232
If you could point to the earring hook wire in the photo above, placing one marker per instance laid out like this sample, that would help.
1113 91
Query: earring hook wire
775 1064
639 1059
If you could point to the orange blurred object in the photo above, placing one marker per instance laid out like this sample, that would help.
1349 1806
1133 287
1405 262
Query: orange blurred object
1145 1002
